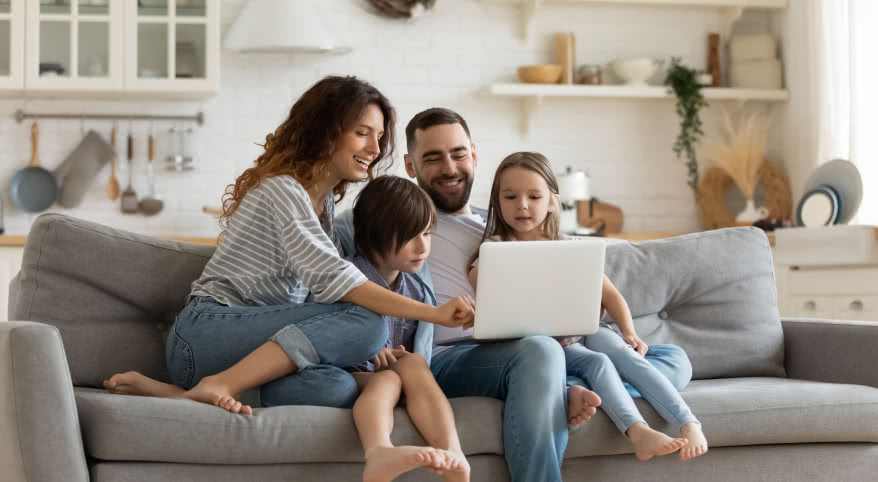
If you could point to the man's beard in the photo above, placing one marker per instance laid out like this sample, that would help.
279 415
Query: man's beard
447 205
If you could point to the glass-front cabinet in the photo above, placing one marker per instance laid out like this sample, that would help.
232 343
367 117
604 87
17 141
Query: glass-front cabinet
157 48
172 45
11 44
74 45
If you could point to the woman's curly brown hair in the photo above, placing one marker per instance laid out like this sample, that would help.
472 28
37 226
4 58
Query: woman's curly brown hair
302 144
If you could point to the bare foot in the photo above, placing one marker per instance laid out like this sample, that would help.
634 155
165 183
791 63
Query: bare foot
387 463
458 468
696 442
649 443
581 404
135 383
212 393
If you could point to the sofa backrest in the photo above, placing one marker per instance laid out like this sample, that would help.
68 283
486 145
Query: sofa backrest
712 293
112 294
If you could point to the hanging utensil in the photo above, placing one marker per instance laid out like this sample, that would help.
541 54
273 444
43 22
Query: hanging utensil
129 196
113 183
33 188
151 205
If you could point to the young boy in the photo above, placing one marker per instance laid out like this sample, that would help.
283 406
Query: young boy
393 220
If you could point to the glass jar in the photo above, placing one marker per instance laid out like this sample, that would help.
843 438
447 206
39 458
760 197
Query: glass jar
590 74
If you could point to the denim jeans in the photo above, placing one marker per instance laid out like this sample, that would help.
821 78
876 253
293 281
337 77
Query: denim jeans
209 337
604 361
529 375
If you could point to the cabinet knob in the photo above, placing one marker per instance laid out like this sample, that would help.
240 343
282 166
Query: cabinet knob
857 305
810 305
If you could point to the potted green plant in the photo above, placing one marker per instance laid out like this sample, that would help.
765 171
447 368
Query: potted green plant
683 82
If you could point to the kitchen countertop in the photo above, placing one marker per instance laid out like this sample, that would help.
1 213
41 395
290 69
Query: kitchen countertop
19 241
13 240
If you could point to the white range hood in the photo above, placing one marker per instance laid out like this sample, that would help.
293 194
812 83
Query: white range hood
279 26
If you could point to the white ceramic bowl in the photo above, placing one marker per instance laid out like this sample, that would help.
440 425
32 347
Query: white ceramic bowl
635 71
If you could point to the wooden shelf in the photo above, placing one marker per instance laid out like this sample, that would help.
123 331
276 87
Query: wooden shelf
630 92
532 95
773 4
732 9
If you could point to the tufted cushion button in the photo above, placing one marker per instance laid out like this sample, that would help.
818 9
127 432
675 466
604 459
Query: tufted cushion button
663 315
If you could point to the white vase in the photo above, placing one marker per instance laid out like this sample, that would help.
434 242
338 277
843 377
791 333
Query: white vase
750 214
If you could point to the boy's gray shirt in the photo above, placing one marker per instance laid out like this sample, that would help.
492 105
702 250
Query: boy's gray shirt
343 229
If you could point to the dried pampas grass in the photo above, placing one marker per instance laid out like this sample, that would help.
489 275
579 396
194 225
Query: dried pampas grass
740 150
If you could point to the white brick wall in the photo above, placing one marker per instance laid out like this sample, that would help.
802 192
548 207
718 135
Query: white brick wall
444 59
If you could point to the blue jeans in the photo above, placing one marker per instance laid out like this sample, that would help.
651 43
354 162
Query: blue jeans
607 364
529 375
209 337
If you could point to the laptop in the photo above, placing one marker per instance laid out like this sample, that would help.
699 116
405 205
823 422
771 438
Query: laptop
536 288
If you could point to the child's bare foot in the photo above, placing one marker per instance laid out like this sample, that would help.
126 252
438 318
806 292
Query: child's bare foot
649 443
581 404
458 468
136 383
212 393
387 463
696 442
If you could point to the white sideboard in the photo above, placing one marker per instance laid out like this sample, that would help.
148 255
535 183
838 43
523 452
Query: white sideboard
10 263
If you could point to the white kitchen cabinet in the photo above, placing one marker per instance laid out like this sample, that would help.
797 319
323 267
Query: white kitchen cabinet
74 45
172 46
10 263
115 48
11 44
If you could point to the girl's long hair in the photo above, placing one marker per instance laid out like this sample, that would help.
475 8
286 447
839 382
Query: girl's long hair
302 144
497 227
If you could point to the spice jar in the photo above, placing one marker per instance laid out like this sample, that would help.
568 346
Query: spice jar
590 74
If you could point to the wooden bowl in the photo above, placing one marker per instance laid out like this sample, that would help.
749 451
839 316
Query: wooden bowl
540 74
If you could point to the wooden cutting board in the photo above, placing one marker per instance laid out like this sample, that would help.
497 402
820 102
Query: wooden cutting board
602 216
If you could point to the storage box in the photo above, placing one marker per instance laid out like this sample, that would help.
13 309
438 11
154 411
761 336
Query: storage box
752 47
756 74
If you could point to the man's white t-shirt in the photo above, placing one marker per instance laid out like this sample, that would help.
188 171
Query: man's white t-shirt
455 239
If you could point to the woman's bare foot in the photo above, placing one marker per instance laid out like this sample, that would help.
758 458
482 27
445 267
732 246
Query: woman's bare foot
458 468
212 393
649 443
388 463
136 383
696 442
581 404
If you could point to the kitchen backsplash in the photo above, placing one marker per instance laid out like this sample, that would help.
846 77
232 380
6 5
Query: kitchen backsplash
446 58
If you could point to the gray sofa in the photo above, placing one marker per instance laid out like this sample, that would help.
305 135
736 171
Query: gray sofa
780 400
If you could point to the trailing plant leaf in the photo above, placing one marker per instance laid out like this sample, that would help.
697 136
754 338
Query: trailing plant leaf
682 82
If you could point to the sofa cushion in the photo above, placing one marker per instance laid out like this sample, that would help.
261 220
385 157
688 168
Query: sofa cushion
131 428
752 411
712 293
112 294
742 411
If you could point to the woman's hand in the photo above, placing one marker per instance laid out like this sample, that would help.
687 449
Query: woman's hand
639 345
387 357
459 311
566 340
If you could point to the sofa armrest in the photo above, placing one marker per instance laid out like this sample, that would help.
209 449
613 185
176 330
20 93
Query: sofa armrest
40 438
831 351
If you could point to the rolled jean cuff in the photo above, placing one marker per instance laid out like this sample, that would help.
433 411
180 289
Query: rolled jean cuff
297 346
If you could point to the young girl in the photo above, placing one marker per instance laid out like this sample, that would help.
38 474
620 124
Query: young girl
393 219
524 207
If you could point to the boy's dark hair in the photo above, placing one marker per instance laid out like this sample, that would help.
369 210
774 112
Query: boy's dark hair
388 213
435 116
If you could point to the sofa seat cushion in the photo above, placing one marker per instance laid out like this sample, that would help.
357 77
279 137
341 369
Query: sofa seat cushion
131 428
753 411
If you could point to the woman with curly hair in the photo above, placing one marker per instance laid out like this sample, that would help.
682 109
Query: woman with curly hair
248 320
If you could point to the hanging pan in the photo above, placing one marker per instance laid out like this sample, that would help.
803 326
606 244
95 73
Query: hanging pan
33 189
